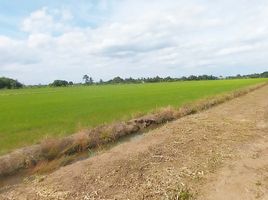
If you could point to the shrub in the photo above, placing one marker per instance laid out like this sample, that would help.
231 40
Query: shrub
9 83
59 83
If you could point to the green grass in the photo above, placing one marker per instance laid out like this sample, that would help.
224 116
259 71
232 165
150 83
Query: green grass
29 115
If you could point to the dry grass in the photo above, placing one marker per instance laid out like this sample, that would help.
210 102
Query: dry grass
180 193
46 166
58 151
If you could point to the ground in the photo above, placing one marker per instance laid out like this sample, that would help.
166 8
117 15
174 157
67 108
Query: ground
217 154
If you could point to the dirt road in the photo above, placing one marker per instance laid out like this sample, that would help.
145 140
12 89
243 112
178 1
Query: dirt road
221 153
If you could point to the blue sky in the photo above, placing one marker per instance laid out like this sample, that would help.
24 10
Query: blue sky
45 40
86 12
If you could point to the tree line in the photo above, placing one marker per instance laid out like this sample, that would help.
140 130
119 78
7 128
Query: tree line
8 83
60 83
87 80
118 80
260 75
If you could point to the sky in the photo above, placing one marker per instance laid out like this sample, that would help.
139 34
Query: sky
41 41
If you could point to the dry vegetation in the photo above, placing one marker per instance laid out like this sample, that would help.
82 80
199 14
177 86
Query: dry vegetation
180 193
52 153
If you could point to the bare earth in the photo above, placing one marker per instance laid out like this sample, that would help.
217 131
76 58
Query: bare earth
218 154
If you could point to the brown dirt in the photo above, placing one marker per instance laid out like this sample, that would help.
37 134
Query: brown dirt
218 154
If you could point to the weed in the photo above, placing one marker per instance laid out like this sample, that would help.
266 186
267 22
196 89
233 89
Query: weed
180 194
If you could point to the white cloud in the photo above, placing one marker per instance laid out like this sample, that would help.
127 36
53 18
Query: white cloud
152 38
233 50
45 21
6 41
39 40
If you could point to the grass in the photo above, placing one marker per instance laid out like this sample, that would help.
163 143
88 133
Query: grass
30 115
181 194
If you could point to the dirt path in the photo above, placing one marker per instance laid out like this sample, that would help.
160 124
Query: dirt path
243 179
217 154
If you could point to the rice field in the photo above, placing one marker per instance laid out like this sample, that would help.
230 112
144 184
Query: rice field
30 115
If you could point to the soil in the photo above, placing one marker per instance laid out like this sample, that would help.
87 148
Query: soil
221 153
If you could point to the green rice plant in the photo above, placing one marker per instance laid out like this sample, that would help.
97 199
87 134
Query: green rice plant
27 116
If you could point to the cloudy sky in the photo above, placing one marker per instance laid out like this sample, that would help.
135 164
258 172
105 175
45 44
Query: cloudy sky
45 40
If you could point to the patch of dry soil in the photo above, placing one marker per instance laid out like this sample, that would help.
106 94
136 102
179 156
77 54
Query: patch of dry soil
242 179
218 154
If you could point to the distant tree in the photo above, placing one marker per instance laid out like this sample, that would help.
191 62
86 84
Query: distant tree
70 83
101 81
131 80
116 80
86 78
192 78
238 76
156 79
264 75
184 78
59 83
90 81
168 79
9 83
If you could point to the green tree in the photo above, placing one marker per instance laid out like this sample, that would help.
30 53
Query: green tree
59 83
86 78
9 83
90 81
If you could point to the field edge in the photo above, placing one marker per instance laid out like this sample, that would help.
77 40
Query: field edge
65 148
